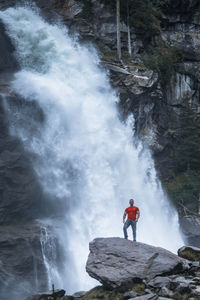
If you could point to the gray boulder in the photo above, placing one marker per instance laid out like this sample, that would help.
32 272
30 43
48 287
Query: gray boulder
117 262
164 291
190 253
159 281
22 268
79 295
164 298
129 295
48 295
146 297
190 226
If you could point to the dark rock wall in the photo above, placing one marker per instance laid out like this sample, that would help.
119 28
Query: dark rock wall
22 269
191 226
20 193
7 61
21 265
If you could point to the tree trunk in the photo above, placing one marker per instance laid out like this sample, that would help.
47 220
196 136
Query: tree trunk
118 30
128 28
199 204
66 4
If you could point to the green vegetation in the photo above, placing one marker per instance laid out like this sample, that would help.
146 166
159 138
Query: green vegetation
184 189
145 15
139 288
190 255
87 8
100 292
183 296
184 183
162 59
188 141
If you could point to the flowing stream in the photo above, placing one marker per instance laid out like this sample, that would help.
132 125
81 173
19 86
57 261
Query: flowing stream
85 158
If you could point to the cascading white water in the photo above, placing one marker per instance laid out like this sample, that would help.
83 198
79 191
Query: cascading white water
85 157
48 248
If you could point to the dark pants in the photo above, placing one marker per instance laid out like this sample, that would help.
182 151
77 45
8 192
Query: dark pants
131 223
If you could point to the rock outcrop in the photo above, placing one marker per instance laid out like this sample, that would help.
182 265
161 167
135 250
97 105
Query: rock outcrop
57 294
191 228
131 270
22 268
190 253
117 262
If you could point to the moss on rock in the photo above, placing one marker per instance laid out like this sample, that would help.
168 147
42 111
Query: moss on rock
101 292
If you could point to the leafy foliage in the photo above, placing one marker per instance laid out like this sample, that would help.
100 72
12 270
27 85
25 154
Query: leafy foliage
187 153
87 8
162 59
145 15
184 184
184 188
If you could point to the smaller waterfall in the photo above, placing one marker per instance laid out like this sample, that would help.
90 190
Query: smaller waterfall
35 269
49 254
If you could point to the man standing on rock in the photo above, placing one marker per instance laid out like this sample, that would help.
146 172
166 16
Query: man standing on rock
133 216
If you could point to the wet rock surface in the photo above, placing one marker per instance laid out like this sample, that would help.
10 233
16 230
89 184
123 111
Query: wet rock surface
57 294
117 262
21 259
191 229
22 199
7 61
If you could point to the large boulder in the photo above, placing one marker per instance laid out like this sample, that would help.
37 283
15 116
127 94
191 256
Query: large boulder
190 226
22 267
57 294
21 260
190 253
117 262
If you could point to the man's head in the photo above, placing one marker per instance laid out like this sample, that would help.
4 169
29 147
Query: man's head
131 202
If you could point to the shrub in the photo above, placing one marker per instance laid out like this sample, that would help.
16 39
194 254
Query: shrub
162 59
183 189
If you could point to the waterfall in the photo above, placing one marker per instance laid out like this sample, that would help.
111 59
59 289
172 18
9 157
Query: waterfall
83 155
49 252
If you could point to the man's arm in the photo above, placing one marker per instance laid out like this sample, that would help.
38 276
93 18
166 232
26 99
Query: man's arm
124 216
137 215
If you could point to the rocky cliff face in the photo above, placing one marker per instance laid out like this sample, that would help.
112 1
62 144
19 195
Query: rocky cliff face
22 267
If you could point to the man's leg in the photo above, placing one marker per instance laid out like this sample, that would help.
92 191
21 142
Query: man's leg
126 225
133 225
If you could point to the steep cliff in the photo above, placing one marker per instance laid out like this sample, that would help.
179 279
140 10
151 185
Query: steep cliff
22 201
